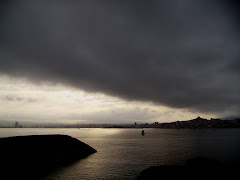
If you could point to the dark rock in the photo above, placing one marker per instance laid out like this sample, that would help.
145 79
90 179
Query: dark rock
196 168
37 154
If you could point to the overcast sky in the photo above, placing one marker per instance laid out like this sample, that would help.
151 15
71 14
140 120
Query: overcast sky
98 61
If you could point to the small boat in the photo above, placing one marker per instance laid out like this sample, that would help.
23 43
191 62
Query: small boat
143 132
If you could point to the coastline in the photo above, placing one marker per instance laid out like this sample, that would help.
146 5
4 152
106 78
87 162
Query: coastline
196 123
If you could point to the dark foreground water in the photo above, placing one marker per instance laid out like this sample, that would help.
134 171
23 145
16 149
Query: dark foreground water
124 153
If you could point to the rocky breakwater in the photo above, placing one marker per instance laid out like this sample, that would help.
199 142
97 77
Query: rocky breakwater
38 154
195 168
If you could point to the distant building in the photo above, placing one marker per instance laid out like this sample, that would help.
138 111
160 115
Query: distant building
16 124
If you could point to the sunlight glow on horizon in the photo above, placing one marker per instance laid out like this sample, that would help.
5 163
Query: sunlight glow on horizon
21 100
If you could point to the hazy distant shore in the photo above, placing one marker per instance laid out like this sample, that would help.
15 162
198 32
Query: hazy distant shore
190 124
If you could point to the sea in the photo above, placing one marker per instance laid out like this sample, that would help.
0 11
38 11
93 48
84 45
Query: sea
125 153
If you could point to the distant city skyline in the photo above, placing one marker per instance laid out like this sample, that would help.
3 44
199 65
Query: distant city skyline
195 123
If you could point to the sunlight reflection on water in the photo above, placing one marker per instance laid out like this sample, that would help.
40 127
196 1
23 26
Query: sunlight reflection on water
124 153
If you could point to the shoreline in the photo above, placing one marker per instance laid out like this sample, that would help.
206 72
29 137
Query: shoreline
197 123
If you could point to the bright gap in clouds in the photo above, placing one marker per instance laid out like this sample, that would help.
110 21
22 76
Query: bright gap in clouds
23 101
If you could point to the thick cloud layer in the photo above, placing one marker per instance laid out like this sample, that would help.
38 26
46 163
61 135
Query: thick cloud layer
182 54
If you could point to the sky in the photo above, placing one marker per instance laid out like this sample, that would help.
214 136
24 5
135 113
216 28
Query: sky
94 61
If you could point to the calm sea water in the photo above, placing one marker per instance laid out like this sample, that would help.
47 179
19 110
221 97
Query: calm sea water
124 153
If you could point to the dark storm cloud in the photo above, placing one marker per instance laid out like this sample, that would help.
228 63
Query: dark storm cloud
182 54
